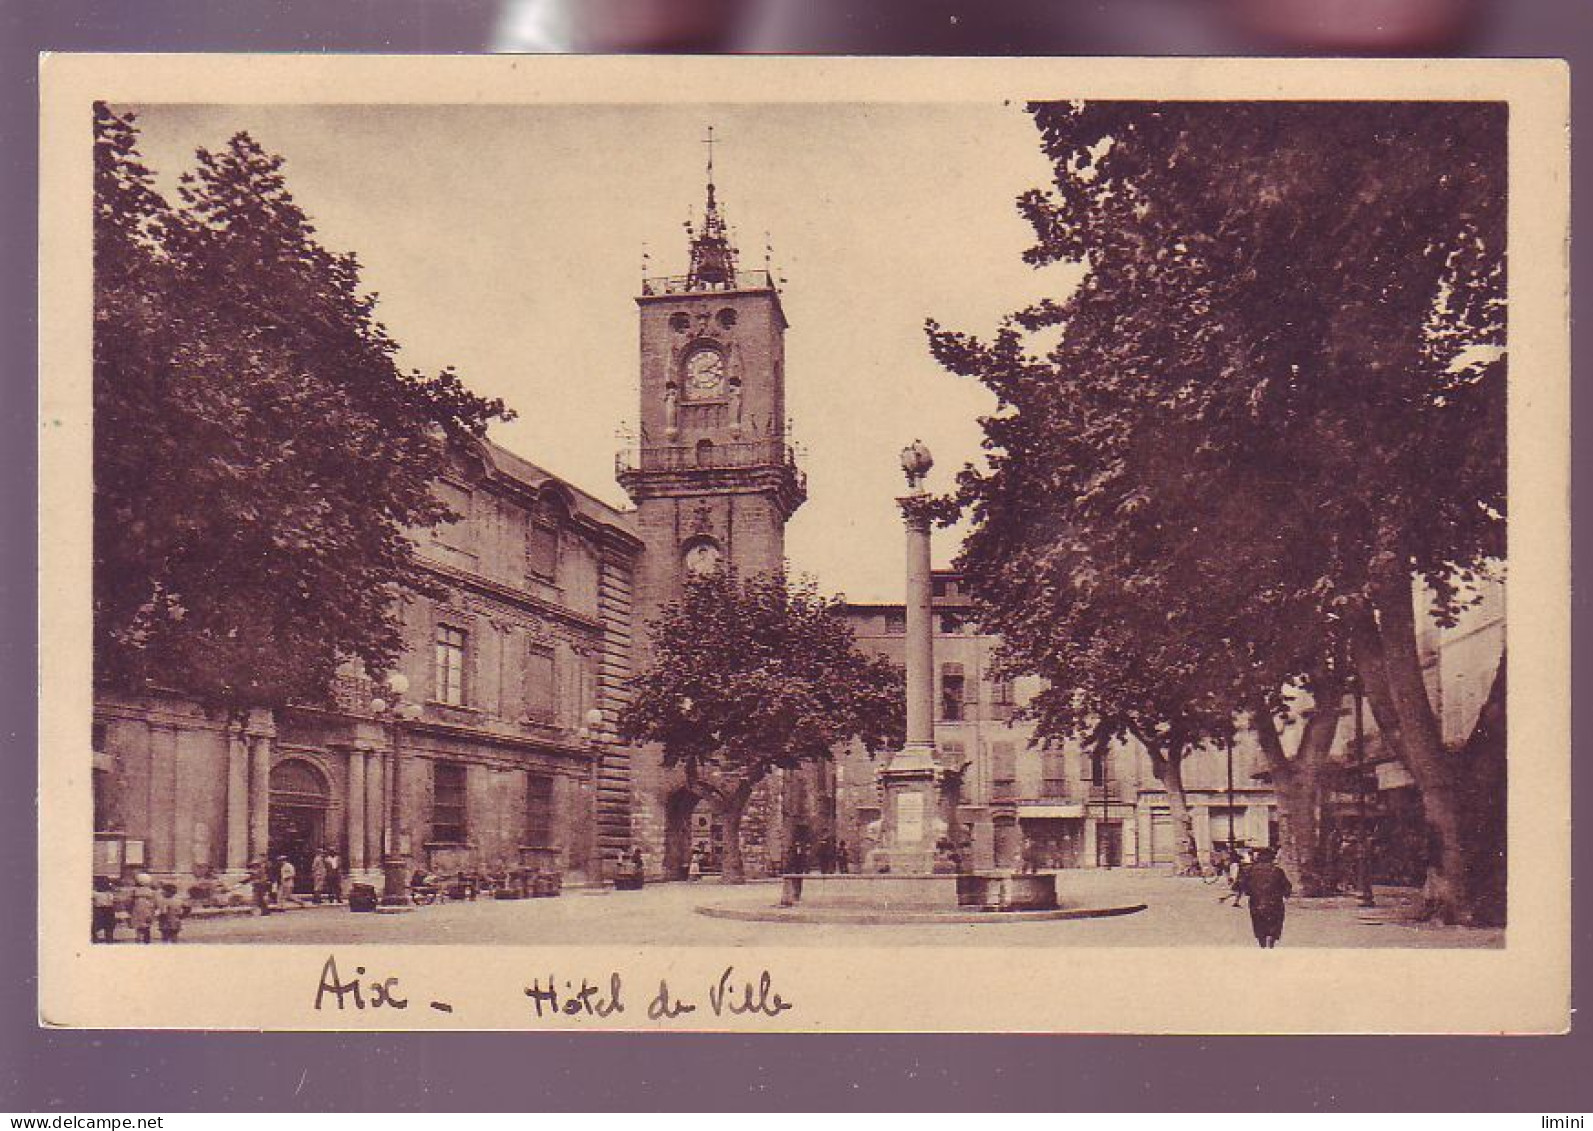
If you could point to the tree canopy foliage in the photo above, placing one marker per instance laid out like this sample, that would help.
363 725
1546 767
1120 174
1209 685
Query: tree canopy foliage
1275 404
260 460
750 674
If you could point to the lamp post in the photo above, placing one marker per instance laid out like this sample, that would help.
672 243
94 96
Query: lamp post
1230 794
395 881
587 735
1364 862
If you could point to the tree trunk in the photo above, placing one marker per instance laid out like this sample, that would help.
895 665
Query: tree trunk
1390 643
1170 772
732 807
1485 788
1298 784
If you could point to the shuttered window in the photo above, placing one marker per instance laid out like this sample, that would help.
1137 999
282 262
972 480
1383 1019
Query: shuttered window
539 810
1053 775
541 685
448 825
1003 771
953 685
542 550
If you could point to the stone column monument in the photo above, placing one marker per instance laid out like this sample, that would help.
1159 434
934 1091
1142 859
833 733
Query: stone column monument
900 881
910 814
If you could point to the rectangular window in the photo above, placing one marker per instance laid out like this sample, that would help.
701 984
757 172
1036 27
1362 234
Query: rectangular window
1003 771
448 824
541 685
1002 704
102 801
952 755
455 533
539 810
950 624
1053 775
895 623
449 668
105 807
1096 766
542 550
952 688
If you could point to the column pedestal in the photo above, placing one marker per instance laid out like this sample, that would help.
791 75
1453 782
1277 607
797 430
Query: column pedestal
911 821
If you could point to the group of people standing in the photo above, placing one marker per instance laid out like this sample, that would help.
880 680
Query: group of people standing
825 855
146 906
275 883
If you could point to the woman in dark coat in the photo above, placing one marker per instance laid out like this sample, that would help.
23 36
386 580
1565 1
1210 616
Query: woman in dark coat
1267 886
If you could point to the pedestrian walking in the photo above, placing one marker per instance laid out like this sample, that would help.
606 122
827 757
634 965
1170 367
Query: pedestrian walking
1238 865
1267 886
260 883
826 854
318 873
104 909
843 858
141 907
694 867
334 876
287 875
1028 857
170 910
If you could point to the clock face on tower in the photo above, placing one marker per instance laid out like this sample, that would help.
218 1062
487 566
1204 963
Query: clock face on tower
705 373
702 559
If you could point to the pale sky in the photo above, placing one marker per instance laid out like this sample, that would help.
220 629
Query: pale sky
508 241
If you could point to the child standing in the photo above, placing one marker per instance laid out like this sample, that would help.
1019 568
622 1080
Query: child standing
104 909
169 912
141 908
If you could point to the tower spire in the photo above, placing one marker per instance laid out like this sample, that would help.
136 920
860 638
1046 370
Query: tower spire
713 256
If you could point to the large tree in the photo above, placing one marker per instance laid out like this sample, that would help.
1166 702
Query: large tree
1284 372
751 674
260 461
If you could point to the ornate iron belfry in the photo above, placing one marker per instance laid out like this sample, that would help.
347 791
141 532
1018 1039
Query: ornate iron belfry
713 257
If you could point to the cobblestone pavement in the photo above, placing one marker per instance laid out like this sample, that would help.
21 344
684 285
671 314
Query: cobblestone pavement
1180 912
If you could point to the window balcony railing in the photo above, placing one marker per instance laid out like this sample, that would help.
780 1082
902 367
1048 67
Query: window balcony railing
1055 789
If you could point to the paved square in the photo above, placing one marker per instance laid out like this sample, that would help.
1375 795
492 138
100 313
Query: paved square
1179 912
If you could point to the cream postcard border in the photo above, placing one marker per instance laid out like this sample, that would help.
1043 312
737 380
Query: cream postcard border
1522 988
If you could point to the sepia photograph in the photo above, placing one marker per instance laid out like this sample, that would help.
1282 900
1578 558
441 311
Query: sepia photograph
755 517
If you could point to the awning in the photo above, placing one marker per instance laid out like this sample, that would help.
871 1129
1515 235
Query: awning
1050 812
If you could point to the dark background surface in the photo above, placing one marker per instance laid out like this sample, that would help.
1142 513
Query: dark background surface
165 1072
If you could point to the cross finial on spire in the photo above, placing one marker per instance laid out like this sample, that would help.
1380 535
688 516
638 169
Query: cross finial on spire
709 141
713 253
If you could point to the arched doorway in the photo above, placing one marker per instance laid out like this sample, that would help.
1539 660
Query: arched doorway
300 798
678 809
689 822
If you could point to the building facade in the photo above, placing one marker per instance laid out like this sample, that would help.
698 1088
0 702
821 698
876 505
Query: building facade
1023 803
498 753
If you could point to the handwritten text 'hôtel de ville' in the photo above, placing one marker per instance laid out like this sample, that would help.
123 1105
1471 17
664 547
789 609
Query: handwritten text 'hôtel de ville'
732 995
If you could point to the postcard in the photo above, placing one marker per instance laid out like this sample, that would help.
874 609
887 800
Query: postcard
804 544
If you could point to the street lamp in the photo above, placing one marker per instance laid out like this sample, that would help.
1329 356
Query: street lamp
592 720
587 735
395 882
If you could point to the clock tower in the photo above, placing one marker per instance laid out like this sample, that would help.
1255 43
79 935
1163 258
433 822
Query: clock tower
713 475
